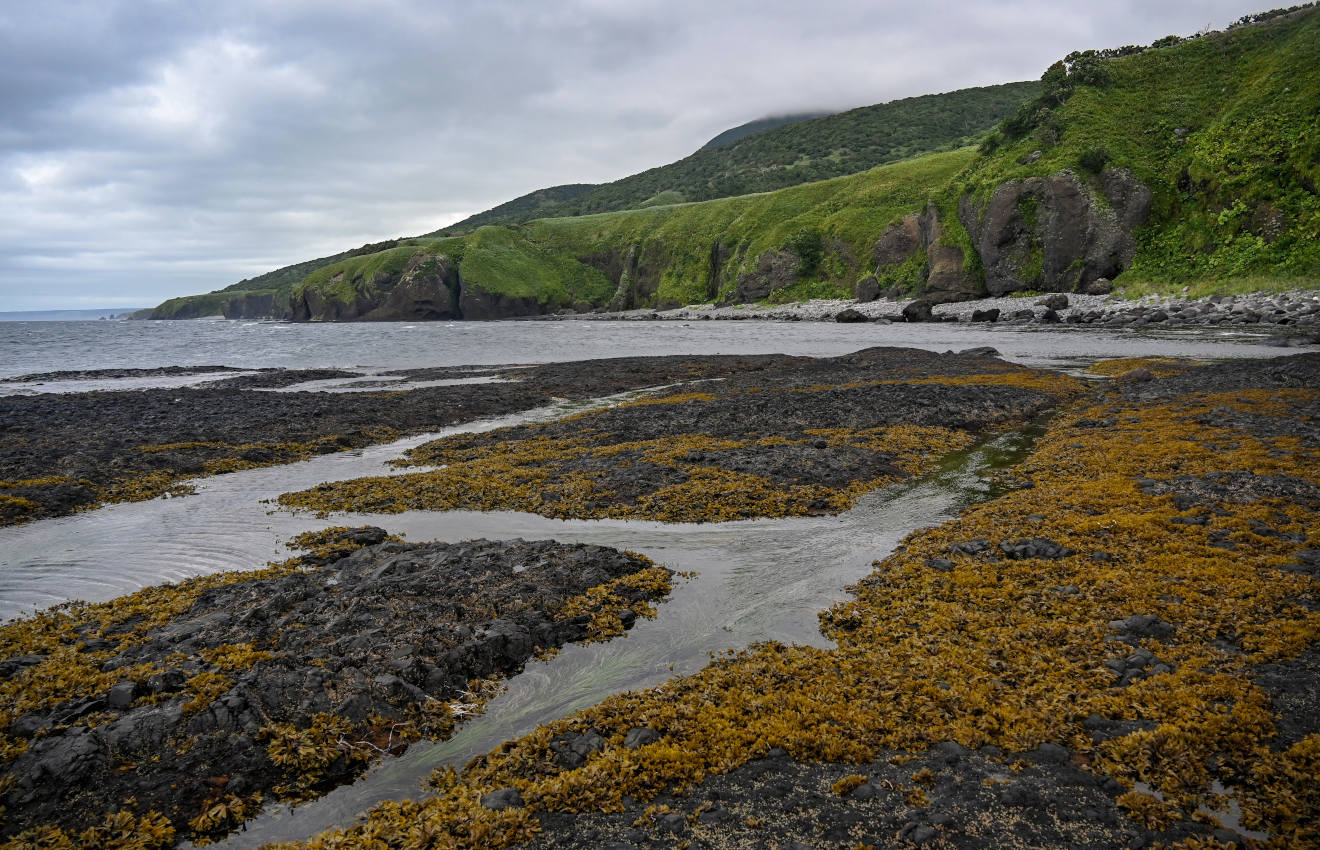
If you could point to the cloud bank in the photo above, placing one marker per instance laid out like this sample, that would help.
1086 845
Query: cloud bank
151 148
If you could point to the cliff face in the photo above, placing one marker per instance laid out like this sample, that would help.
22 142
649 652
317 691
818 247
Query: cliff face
427 288
430 287
1053 234
1043 234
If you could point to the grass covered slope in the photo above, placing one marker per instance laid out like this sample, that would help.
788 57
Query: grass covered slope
800 152
667 255
1224 130
697 252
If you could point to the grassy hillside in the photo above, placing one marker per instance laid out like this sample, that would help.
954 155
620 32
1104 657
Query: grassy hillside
557 261
837 219
1223 128
805 151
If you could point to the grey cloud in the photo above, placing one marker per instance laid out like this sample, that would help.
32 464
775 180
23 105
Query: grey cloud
154 148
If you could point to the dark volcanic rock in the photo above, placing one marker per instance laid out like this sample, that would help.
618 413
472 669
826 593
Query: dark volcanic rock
386 635
76 445
971 800
918 311
867 289
1047 233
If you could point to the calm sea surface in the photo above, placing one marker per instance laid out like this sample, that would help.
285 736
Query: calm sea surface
29 347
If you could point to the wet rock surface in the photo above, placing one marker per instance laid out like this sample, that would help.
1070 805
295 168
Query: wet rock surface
948 797
85 374
286 686
65 452
803 440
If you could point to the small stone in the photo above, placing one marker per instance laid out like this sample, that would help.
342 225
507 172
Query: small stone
504 798
640 736
122 694
923 834
942 565
1050 753
673 823
865 791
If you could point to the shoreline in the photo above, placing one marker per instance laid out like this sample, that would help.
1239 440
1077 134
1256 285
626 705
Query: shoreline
1160 538
1294 311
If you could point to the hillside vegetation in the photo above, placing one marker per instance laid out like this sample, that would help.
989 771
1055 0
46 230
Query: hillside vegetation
1193 162
1224 130
667 255
788 155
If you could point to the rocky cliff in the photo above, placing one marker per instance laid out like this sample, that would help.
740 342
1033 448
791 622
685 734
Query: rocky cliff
1041 234
427 288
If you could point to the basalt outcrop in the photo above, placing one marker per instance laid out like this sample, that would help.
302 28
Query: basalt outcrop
1056 234
1046 234
428 288
192 702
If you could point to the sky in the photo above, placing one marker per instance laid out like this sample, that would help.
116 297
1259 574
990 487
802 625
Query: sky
157 148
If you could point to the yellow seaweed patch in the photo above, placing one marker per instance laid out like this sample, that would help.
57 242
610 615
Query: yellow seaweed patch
1055 383
677 398
557 477
1160 367
996 651
125 830
604 602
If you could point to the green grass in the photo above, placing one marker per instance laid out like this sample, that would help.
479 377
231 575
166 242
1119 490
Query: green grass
801 152
503 261
851 211
1135 287
369 275
1223 129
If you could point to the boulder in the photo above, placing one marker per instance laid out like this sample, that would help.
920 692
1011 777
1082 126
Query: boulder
867 289
918 311
849 316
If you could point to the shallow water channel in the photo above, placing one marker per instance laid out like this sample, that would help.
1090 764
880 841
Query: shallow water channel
755 580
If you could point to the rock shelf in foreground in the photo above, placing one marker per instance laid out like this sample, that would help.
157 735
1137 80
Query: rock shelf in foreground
975 706
182 708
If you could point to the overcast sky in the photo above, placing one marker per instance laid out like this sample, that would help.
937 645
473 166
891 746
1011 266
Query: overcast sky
158 148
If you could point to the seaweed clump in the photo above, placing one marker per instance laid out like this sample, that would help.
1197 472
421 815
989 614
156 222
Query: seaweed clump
1011 630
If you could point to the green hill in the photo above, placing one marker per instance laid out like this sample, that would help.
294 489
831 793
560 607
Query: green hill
1224 130
760 125
799 152
1192 162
